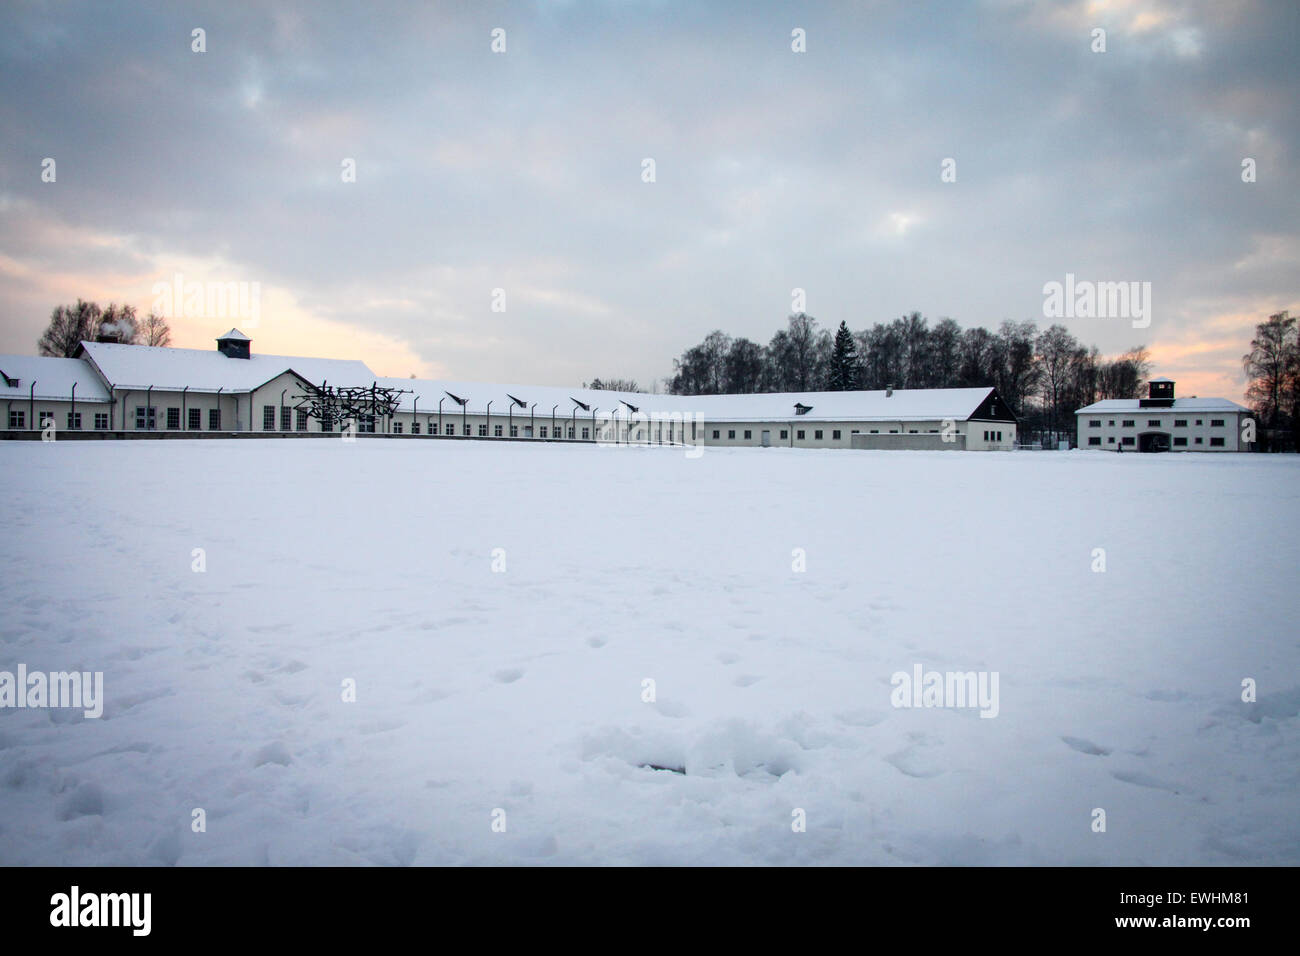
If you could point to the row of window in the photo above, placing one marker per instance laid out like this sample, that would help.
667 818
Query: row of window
993 436
785 434
18 419
498 431
1180 441
1155 423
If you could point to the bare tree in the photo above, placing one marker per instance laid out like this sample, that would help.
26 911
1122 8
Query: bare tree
155 332
69 326
1269 364
613 385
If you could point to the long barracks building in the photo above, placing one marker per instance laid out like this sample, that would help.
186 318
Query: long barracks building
124 391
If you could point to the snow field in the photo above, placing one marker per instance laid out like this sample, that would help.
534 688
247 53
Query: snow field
522 689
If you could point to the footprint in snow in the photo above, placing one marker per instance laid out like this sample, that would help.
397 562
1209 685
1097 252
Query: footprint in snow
1086 746
509 675
1145 780
747 680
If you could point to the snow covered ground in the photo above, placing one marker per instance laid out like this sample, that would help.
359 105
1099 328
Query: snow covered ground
521 689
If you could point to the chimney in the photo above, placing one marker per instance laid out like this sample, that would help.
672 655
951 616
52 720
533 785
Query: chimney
109 332
235 344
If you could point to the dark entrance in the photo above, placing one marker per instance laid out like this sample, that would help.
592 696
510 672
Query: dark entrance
1153 441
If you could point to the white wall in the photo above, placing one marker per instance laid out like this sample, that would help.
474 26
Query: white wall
1110 430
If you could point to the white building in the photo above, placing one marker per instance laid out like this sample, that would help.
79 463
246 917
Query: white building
1162 422
137 391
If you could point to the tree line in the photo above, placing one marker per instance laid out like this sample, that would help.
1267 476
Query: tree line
70 325
1272 368
1044 375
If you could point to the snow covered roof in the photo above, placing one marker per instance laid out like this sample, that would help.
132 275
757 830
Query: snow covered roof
1179 405
139 366
907 405
929 404
236 335
54 378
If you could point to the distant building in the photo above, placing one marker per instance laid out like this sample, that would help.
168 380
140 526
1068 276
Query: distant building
122 390
1161 422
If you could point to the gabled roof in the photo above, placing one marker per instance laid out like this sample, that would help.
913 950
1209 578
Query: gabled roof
139 366
235 335
1116 405
54 378
931 404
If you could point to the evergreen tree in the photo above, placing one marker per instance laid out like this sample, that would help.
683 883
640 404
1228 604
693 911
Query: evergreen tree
842 374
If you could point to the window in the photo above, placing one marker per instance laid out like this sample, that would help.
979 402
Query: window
785 433
173 419
1128 439
893 431
1216 442
268 418
986 436
366 423
1180 440
514 431
731 434
1094 423
214 419
302 422
415 428
433 428
1180 423
286 418
146 418
1200 440
451 429
397 428
817 435
74 421
528 431
544 431
194 419
999 436
716 434
911 431
482 431
748 434
1216 423
1094 440
1153 422
835 435
1110 440
1129 423
799 434
875 431
586 432
1200 421
1111 423
496 431
327 424
101 421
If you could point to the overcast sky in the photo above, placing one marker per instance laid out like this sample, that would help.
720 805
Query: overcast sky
774 170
